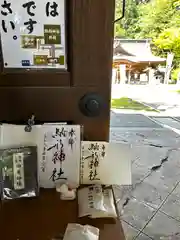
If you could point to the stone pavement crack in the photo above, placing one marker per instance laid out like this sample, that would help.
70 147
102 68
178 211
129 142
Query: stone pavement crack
155 145
153 169
126 202
140 135
164 160
157 167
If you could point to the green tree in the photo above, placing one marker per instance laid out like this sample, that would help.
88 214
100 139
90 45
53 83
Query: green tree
169 41
156 16
158 20
126 27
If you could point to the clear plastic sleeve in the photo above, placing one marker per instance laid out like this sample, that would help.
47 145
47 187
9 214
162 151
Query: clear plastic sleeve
18 172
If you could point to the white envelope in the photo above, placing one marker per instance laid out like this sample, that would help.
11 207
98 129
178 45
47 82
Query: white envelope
15 135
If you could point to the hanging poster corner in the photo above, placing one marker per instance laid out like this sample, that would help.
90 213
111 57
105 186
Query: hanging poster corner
33 34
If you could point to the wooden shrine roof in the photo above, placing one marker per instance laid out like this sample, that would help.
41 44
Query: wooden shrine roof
135 51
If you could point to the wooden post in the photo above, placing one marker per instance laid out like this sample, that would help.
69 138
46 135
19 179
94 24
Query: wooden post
129 75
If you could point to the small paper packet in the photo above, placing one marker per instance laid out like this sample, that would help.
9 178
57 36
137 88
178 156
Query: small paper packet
109 210
66 193
96 202
79 232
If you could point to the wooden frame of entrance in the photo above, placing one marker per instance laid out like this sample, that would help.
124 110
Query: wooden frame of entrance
53 96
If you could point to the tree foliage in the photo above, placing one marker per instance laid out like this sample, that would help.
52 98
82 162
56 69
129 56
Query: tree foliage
156 16
125 28
158 20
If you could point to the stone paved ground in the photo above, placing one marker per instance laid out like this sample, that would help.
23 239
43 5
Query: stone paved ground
165 98
150 208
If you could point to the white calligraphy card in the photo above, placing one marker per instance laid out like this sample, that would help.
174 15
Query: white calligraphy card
105 163
59 154
18 168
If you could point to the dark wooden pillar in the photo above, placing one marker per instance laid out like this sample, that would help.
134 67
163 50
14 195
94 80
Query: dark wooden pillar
55 95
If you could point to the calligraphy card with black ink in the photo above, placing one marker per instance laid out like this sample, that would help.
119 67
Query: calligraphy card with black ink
18 170
59 155
92 156
105 163
35 30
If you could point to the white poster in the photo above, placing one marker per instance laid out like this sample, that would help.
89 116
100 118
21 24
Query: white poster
33 33
105 163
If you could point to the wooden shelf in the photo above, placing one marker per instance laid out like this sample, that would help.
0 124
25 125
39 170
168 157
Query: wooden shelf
46 216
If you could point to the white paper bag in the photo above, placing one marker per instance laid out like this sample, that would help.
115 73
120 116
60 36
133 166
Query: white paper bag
79 232
109 210
89 200
105 163
96 202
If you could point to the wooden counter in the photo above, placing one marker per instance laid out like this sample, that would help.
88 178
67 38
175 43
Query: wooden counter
45 217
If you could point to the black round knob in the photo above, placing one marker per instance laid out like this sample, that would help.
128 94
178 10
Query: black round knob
91 104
